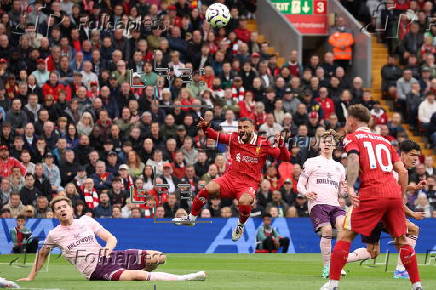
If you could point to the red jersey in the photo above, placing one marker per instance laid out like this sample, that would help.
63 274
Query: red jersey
327 105
248 160
7 165
376 159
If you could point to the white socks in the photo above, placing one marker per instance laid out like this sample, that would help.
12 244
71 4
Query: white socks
358 255
334 283
325 244
162 276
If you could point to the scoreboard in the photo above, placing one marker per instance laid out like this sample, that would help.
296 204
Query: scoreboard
308 16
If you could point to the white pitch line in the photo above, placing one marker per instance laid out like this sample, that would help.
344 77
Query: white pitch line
42 288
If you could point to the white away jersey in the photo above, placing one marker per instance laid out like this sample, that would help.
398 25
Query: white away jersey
78 243
322 176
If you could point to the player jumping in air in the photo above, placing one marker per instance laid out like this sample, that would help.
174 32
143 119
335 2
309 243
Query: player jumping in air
321 181
249 153
77 240
409 154
372 159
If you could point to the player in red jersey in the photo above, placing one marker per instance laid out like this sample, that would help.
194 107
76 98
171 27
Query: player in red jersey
249 153
409 155
372 159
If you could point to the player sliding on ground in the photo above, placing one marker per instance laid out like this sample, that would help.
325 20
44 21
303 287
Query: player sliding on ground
321 181
249 153
77 240
409 154
372 159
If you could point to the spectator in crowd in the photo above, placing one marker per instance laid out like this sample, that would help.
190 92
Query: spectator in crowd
5 190
412 41
22 239
390 73
14 205
268 238
51 171
426 109
29 192
116 212
429 168
104 208
278 202
394 125
102 178
8 163
42 207
422 204
270 127
171 206
226 212
301 206
404 86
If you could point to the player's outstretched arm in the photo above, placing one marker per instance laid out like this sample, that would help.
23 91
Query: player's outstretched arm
280 152
41 257
212 134
111 241
412 214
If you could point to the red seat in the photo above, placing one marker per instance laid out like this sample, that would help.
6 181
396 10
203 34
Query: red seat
258 251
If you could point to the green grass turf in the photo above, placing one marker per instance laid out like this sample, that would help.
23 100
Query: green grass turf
228 271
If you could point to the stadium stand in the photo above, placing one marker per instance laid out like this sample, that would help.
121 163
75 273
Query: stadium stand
93 105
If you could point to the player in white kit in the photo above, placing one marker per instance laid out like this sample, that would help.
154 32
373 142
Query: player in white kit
77 240
321 181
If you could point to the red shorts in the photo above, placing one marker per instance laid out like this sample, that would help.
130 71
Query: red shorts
231 187
365 218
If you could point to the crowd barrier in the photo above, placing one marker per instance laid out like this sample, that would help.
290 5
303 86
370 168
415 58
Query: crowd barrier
212 237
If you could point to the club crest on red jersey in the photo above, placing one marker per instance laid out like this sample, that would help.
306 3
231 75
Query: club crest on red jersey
346 141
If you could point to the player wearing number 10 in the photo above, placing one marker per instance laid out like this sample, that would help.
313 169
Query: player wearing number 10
372 158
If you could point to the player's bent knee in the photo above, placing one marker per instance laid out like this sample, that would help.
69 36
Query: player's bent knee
346 235
326 231
162 259
245 199
213 187
413 229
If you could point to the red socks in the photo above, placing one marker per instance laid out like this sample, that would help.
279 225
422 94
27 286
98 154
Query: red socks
338 259
244 213
408 257
199 201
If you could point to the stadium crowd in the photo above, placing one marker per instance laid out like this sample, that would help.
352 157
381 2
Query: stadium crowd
88 93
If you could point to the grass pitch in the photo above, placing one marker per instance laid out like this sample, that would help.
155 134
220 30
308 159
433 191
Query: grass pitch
227 271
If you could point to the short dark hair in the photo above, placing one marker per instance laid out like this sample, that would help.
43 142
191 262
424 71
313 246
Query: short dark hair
360 112
267 215
409 145
21 217
29 174
15 193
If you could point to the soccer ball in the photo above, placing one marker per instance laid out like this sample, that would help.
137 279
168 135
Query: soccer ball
218 15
